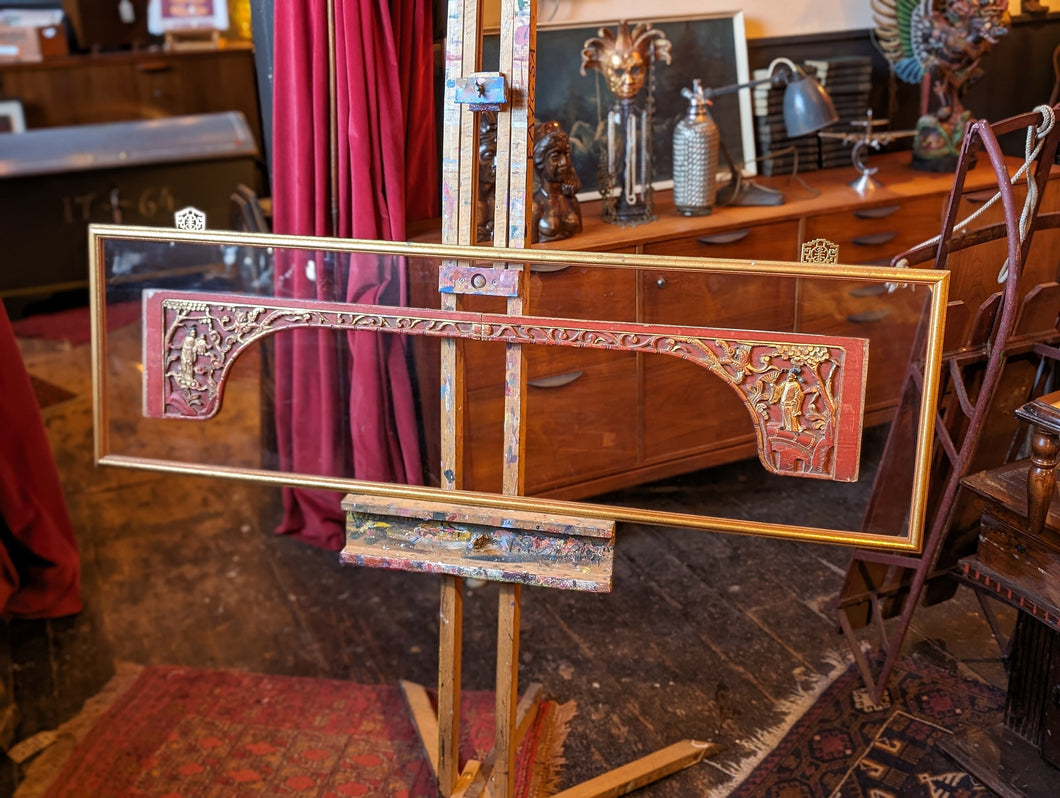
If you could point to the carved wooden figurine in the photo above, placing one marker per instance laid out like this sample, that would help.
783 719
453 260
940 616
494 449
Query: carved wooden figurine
487 174
557 213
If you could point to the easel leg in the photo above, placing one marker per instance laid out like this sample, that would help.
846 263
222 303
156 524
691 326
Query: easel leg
638 773
502 784
450 640
424 719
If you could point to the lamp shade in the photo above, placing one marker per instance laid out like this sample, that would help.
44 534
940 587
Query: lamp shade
807 107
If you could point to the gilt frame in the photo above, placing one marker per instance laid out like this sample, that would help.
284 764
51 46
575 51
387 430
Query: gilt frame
936 281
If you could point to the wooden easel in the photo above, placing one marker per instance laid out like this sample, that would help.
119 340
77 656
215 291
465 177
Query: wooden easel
515 113
402 530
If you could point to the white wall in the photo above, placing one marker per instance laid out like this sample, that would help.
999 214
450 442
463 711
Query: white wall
770 18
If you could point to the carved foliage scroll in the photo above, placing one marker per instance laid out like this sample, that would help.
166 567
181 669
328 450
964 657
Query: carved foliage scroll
804 393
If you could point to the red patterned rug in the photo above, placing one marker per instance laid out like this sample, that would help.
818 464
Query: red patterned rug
74 324
846 747
182 732
48 393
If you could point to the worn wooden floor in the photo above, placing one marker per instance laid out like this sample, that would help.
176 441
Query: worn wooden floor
705 636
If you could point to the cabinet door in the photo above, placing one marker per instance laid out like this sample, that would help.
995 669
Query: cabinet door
199 83
686 409
581 403
77 93
579 425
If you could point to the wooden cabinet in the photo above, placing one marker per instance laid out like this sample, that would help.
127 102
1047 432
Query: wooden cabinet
598 421
115 87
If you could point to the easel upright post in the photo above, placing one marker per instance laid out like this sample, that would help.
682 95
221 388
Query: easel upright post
517 46
459 184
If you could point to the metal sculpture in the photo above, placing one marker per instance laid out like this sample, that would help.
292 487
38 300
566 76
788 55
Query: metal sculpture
627 59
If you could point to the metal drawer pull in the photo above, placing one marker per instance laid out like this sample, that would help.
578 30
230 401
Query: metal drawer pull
548 267
154 66
555 381
874 289
868 316
877 213
731 237
874 239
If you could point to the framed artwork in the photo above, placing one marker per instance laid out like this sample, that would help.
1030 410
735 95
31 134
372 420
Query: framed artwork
167 16
712 48
12 118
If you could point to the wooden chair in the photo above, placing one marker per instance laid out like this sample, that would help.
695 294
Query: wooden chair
996 355
1018 563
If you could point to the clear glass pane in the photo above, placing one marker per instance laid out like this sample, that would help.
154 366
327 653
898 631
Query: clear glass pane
641 375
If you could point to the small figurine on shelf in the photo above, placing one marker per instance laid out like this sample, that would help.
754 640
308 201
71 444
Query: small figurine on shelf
557 213
627 59
487 175
940 44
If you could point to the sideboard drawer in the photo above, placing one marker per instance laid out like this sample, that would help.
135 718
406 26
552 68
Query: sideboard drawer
875 234
575 292
710 299
580 292
777 241
888 320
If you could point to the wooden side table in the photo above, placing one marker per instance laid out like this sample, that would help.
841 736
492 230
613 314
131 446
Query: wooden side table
1018 563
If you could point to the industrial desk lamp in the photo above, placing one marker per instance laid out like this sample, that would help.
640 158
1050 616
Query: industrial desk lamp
807 109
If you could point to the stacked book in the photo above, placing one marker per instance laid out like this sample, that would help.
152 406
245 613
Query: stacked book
848 81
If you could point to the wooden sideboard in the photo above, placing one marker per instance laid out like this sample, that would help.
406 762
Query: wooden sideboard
116 87
598 421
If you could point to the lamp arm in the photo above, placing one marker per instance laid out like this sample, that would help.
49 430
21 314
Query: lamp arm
711 93
776 76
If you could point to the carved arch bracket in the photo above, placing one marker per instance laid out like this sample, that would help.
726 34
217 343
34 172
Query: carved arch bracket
804 393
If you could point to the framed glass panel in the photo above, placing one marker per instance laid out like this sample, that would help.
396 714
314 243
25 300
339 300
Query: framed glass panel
315 363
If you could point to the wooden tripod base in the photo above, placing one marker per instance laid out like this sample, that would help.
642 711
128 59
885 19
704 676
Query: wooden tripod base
474 778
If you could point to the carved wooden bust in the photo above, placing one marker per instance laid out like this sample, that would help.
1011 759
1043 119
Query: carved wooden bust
557 213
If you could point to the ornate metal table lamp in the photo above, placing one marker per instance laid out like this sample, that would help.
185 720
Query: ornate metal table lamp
627 59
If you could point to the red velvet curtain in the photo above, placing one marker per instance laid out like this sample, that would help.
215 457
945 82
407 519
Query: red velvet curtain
40 570
348 410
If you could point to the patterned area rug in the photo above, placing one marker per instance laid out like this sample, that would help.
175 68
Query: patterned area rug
846 747
48 393
191 732
74 324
